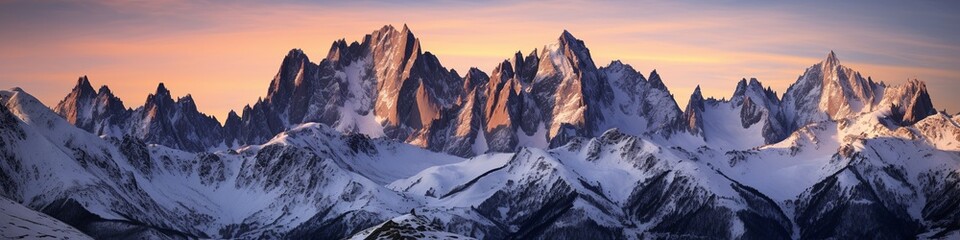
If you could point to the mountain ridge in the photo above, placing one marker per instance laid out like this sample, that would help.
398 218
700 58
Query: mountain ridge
378 139
387 86
613 186
313 181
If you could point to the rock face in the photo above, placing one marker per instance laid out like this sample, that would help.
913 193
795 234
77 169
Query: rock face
832 91
387 86
383 86
693 114
570 90
640 106
177 124
759 106
160 120
909 103
826 91
459 130
94 111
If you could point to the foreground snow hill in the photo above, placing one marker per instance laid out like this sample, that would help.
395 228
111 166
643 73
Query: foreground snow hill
19 222
313 182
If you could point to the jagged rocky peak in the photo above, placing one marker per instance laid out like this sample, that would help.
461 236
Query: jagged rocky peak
909 102
568 57
502 72
83 87
386 79
186 103
176 124
696 98
740 90
233 121
655 80
161 120
693 114
570 90
107 102
77 102
842 87
921 106
161 100
341 52
754 89
831 60
574 47
474 79
759 105
82 90
297 56
829 91
104 91
289 76
638 106
623 76
525 68
502 88
161 93
91 110
394 50
412 86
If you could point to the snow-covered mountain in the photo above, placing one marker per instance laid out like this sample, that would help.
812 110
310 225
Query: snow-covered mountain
750 118
832 91
160 120
387 86
308 180
379 140
614 186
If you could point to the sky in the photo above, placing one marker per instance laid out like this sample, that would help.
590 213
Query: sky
224 53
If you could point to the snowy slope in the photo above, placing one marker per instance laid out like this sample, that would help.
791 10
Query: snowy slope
19 222
287 182
53 165
614 186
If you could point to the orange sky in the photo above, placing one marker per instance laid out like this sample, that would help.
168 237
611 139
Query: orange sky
225 54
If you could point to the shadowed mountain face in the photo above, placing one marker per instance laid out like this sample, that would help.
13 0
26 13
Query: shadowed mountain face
379 140
160 120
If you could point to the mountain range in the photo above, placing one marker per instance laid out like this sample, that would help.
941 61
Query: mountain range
379 139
